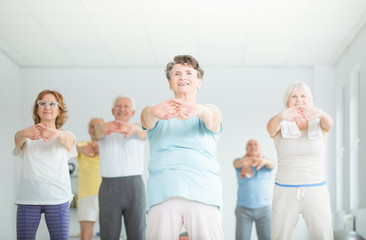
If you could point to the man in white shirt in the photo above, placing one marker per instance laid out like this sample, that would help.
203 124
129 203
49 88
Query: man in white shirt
122 191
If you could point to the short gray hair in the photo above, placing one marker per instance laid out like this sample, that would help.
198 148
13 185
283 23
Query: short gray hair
295 86
133 104
185 60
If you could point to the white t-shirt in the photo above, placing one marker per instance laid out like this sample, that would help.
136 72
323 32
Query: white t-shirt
45 178
121 156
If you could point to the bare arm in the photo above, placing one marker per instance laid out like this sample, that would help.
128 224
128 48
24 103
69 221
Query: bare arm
119 127
148 120
99 132
273 125
166 110
41 131
211 116
291 114
65 139
244 161
261 161
19 139
326 121
137 129
33 132
238 162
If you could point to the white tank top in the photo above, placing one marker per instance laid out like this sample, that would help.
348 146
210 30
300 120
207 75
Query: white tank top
300 160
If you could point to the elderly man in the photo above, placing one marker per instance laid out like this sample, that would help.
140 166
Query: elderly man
254 193
122 191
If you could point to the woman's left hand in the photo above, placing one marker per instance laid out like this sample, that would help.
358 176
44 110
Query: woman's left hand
47 133
310 112
187 110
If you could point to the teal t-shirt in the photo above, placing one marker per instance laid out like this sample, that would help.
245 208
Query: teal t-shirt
183 162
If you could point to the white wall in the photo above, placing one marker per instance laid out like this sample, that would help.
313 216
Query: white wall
247 97
10 107
354 55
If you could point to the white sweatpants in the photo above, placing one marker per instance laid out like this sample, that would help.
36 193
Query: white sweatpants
202 221
312 202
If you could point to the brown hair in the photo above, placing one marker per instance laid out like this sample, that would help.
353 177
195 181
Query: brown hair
61 119
185 60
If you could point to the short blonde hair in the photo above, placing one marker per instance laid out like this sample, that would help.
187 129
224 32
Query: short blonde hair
295 86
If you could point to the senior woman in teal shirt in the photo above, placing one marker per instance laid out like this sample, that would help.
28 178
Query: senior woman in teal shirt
184 187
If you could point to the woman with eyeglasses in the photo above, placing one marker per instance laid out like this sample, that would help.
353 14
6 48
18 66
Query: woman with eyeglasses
45 183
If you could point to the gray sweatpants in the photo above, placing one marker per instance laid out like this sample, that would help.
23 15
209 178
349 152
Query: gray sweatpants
122 196
244 222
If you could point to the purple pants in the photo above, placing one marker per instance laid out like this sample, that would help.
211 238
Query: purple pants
57 219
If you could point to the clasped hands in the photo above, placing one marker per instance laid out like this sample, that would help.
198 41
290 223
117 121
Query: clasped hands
117 126
295 113
40 131
248 162
176 108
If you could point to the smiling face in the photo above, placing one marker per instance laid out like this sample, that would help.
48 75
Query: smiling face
298 97
122 109
184 79
47 112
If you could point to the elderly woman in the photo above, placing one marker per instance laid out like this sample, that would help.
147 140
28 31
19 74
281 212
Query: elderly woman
45 182
299 134
184 187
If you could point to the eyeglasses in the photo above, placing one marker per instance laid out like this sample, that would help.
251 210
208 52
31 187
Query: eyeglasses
44 104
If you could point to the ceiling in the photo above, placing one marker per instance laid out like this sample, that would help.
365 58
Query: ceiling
148 33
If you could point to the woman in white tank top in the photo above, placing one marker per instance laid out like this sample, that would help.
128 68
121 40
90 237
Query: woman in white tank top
299 134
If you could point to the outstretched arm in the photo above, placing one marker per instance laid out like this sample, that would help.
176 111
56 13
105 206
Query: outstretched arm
21 136
326 121
210 115
166 110
261 161
238 162
41 131
137 129
273 125
291 114
119 127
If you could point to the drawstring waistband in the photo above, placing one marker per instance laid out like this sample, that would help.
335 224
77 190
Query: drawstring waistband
301 188
300 193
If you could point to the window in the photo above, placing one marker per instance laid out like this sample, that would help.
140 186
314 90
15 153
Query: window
353 141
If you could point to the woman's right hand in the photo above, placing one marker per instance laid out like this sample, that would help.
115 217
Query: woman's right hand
291 114
32 132
166 110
